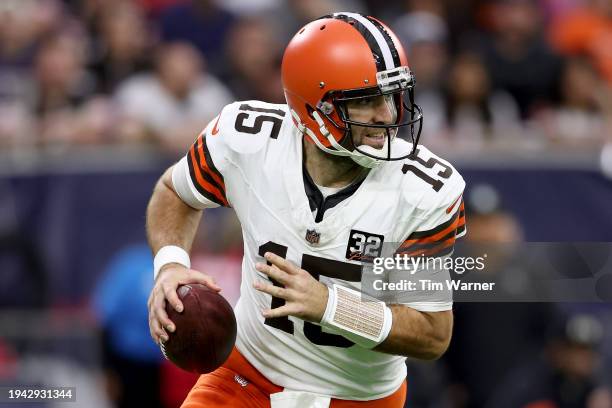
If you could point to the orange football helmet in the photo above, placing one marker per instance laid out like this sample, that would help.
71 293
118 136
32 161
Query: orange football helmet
346 57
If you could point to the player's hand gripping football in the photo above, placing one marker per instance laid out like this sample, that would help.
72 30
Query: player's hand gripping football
305 297
170 277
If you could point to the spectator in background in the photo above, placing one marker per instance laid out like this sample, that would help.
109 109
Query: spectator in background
154 7
491 338
254 71
60 73
251 8
90 12
552 9
201 23
475 112
462 18
568 375
173 104
123 46
464 109
293 14
517 57
585 99
587 31
64 102
425 34
23 24
120 304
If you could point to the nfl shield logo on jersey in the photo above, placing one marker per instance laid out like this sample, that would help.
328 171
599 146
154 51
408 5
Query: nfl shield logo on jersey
312 236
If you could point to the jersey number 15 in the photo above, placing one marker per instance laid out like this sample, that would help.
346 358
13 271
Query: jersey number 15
317 267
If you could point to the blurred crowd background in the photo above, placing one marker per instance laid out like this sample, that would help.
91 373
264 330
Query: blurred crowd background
150 72
97 97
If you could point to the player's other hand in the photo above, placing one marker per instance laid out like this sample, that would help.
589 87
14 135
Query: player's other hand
305 297
170 277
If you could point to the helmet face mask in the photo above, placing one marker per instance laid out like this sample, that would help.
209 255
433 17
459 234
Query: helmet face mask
337 69
407 114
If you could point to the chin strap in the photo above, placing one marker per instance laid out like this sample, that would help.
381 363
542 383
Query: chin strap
357 157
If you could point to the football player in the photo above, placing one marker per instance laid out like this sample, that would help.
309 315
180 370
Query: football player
318 184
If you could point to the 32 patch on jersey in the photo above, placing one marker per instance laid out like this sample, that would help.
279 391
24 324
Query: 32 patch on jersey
364 246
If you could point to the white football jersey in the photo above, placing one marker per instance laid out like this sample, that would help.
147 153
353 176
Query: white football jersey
250 158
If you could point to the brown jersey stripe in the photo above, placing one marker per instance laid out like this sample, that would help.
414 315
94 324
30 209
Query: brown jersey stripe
206 163
437 249
437 241
431 249
460 229
441 251
438 234
425 234
208 190
201 165
206 160
203 186
451 231
426 244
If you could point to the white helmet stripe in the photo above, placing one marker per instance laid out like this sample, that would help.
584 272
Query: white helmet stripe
378 36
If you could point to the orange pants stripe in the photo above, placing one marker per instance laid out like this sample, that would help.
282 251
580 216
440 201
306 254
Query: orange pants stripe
238 384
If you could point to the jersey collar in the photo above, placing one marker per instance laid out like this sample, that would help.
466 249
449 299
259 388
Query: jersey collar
315 198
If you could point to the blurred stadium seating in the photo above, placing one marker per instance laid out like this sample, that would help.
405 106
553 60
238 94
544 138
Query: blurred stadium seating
97 97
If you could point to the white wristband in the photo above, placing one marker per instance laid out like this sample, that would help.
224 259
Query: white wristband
170 254
363 320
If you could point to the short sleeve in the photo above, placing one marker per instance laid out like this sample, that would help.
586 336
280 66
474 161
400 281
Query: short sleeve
198 177
437 236
432 244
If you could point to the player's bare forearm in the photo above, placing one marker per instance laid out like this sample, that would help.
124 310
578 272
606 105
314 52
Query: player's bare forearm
422 335
169 220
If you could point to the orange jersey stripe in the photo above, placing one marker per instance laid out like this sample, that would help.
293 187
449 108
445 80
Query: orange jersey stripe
433 240
450 208
430 250
435 237
206 168
202 182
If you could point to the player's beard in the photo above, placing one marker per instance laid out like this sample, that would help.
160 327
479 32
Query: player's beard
331 167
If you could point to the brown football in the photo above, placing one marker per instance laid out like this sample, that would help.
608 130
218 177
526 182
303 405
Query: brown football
205 330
